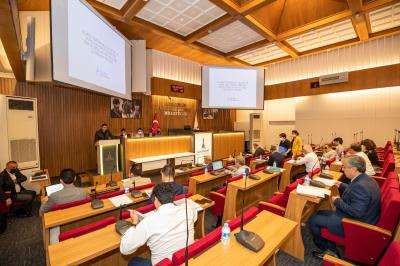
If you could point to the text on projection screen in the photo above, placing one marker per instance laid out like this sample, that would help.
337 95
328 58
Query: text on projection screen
91 59
233 87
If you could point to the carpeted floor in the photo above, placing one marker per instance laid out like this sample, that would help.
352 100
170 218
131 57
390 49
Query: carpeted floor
22 242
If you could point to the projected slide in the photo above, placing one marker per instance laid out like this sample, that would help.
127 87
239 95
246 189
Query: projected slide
89 52
232 88
96 53
237 85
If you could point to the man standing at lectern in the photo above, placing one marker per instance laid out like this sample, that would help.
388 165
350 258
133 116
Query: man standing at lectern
103 133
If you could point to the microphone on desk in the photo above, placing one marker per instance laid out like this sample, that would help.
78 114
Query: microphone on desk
96 203
111 183
121 226
134 193
249 240
187 233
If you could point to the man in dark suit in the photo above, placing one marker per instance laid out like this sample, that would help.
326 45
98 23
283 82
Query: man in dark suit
11 190
275 157
359 200
103 133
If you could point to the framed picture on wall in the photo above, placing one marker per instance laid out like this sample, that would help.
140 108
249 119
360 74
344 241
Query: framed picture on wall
121 108
209 113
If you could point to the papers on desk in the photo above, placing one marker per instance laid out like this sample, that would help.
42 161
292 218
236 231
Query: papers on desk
327 182
313 191
291 161
120 200
193 204
179 171
53 188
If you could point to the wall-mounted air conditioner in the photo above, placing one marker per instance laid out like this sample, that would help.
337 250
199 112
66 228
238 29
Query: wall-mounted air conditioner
19 138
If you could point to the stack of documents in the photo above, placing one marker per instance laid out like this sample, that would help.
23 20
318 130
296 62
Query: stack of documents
313 191
327 182
120 200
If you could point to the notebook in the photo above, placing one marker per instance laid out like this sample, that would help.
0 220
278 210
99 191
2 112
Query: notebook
313 191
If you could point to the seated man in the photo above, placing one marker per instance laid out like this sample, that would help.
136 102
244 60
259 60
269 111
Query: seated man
284 145
360 200
338 143
11 190
310 159
168 175
275 157
69 192
242 167
164 231
355 149
258 150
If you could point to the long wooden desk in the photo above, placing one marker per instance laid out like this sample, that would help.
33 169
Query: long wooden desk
79 216
203 184
101 247
257 163
291 170
273 229
256 190
182 177
300 208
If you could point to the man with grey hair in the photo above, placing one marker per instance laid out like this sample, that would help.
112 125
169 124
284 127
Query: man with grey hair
359 200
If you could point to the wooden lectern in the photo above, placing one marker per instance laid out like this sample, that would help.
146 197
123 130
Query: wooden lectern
107 156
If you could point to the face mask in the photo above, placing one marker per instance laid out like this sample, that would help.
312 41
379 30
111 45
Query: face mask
13 171
282 139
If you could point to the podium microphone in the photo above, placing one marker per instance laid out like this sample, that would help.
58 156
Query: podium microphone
111 183
246 238
96 203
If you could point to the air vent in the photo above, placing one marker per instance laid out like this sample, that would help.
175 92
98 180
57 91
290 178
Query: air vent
14 104
334 78
23 150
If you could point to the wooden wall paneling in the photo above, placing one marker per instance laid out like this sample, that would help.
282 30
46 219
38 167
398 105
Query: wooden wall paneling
161 86
69 117
380 77
225 144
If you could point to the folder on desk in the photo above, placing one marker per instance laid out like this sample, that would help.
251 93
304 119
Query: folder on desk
327 182
120 200
313 191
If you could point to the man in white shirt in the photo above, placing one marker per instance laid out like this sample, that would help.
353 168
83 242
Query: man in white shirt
310 159
338 142
242 167
356 149
164 231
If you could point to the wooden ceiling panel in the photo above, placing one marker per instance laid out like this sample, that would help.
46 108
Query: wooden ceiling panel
274 11
301 12
33 5
172 46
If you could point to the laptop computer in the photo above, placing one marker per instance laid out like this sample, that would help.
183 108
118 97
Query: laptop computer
218 167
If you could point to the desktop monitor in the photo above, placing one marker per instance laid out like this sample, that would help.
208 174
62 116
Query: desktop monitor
217 165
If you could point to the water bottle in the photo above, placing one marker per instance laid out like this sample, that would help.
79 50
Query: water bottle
206 169
225 235
307 180
274 165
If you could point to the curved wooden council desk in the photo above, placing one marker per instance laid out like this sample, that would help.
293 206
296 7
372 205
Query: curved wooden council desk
203 184
80 215
300 208
291 170
273 229
101 247
256 190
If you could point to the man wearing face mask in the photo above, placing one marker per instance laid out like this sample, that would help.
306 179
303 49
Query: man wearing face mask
285 145
11 190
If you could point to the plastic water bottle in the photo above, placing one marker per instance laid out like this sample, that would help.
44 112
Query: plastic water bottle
307 180
225 235
206 169
274 165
